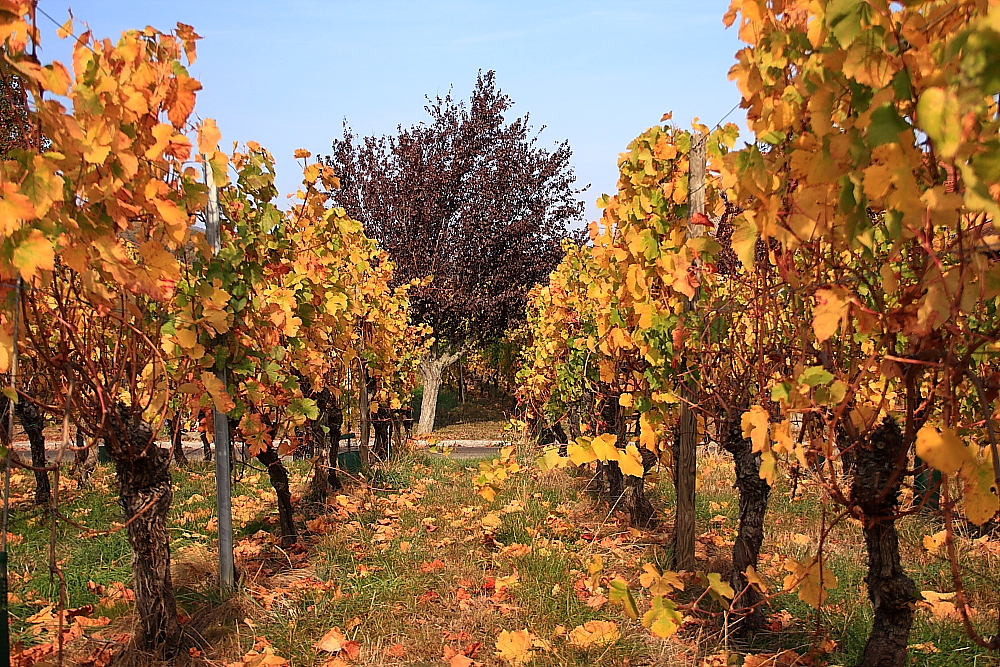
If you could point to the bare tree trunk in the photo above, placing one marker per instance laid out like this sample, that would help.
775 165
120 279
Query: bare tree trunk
33 421
431 370
279 480
461 382
892 592
144 484
754 493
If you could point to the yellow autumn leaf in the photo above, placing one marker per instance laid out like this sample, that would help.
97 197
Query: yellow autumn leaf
332 642
805 578
755 423
34 254
659 583
755 579
630 462
604 447
942 450
162 134
217 390
187 338
934 542
980 500
515 647
781 436
662 619
720 587
768 466
594 634
581 452
745 242
831 307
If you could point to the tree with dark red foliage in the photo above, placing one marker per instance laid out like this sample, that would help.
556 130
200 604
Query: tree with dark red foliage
471 200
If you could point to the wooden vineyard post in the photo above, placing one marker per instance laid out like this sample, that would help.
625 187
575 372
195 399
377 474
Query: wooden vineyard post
686 443
223 474
9 453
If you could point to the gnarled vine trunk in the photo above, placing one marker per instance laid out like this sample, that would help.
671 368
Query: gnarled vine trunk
144 486
754 494
326 431
33 421
876 493
204 423
640 511
278 475
83 465
177 441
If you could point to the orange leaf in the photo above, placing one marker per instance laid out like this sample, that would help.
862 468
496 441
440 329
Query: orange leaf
184 98
209 136
396 651
332 642
15 208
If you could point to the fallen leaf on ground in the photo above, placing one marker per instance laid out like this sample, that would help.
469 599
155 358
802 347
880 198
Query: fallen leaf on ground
594 633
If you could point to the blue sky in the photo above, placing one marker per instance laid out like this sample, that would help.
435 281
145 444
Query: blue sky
286 74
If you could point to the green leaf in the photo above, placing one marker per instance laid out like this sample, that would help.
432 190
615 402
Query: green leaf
815 375
843 17
886 124
781 393
938 116
621 593
10 393
305 406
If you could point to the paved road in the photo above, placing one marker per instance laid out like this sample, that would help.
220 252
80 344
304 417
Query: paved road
469 452
464 450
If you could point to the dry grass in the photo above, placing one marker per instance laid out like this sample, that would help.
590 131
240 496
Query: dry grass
407 567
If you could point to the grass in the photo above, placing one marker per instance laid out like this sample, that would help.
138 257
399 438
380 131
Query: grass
408 568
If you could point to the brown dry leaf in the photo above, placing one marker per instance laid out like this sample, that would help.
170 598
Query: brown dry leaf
782 659
716 660
335 662
457 659
780 621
